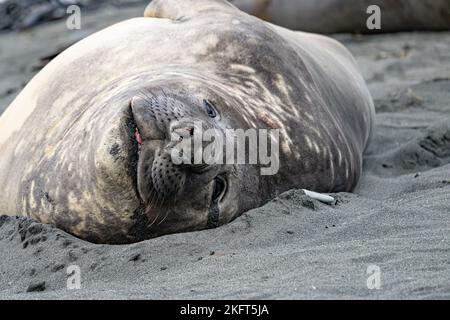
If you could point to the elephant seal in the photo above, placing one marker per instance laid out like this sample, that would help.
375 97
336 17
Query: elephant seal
85 144
332 16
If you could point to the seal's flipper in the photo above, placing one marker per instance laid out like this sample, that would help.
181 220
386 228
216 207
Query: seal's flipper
186 9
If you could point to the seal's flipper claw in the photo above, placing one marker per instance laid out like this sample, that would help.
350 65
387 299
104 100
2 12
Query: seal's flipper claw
177 10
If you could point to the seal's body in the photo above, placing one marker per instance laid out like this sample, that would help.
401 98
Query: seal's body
85 145
331 16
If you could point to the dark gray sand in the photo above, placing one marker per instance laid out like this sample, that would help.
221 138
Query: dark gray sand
398 218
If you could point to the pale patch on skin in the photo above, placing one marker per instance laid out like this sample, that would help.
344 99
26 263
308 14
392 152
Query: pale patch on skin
45 206
242 68
208 43
24 208
31 195
308 115
49 151
286 90
318 133
80 227
19 146
339 157
331 161
316 148
72 202
282 86
286 150
308 142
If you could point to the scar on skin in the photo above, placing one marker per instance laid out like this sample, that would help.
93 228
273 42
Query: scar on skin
267 119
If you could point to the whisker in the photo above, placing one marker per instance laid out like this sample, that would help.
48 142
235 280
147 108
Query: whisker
165 216
150 203
151 197
159 201
148 96
175 199
157 216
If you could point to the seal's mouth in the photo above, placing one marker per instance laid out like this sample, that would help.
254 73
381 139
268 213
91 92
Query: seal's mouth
157 178
136 144
133 141
138 137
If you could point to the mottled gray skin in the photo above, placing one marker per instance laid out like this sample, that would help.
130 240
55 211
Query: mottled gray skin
331 16
69 152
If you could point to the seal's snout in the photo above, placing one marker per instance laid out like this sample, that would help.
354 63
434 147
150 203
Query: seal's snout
147 126
169 133
156 120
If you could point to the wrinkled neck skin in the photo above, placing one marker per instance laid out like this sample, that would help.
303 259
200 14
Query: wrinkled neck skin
133 156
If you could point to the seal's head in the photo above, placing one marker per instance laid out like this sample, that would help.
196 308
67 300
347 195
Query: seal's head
177 196
181 186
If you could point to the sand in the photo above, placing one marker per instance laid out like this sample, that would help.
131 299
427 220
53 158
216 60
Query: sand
398 218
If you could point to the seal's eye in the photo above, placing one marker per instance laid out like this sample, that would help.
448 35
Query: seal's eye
220 186
210 109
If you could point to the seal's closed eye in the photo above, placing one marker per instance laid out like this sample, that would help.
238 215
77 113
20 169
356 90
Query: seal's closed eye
210 109
220 186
